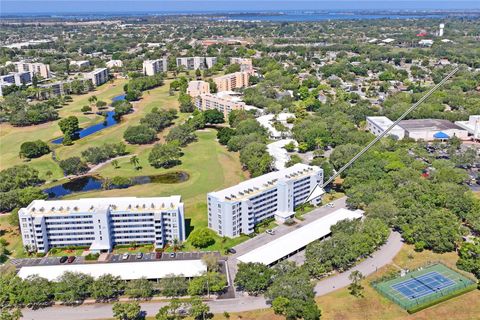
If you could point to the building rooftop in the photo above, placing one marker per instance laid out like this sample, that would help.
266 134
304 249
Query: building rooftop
124 270
295 240
258 184
430 124
134 204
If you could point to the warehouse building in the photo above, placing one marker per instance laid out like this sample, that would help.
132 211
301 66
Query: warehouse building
238 209
101 223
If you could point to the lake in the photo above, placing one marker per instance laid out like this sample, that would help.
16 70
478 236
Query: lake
109 121
91 183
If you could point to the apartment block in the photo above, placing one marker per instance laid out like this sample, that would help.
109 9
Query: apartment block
197 88
194 63
101 223
17 78
222 103
98 76
245 63
36 68
236 210
232 81
152 67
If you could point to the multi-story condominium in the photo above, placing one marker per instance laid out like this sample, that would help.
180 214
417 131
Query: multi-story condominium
194 63
80 63
245 63
196 88
114 64
98 76
17 78
232 81
37 68
152 67
222 103
238 209
101 223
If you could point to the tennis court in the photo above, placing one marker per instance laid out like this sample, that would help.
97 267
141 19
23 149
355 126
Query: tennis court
425 287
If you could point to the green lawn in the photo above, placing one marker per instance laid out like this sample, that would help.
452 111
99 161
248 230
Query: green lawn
209 165
12 137
12 235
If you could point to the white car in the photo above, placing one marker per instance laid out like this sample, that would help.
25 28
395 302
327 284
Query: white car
125 256
270 232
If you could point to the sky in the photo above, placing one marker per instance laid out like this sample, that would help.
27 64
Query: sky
110 6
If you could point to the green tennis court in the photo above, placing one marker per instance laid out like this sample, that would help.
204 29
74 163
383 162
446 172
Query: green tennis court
425 287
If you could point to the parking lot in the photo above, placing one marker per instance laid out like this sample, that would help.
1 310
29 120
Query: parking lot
116 258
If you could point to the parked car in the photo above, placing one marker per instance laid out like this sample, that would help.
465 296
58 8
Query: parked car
139 255
231 250
158 255
71 259
125 256
270 232
63 259
172 254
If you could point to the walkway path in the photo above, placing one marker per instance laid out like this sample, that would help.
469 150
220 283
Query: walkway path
379 259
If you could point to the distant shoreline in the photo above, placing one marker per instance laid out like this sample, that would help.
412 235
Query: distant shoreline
274 16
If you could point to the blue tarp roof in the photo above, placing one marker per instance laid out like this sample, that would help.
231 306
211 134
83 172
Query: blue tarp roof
441 135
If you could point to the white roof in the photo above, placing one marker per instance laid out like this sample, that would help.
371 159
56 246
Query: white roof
388 40
267 181
134 204
276 150
295 240
124 270
472 125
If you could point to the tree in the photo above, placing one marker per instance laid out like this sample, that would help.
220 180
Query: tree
202 237
33 149
37 291
213 116
186 104
73 165
253 278
139 288
207 283
172 311
69 126
224 134
256 158
135 162
211 261
356 288
165 155
115 163
122 107
106 287
10 314
73 287
139 135
183 134
198 309
126 311
18 177
174 286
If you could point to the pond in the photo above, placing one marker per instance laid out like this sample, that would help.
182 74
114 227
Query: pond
109 121
91 183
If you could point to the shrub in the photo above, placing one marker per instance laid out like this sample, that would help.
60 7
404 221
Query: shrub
73 165
202 237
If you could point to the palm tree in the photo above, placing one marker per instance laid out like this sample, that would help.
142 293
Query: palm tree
135 162
176 244
92 100
115 163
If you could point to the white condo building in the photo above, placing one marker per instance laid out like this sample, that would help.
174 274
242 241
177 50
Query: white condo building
98 76
238 209
377 125
102 223
194 63
152 67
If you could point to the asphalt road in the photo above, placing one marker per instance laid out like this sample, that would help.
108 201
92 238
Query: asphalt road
240 304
